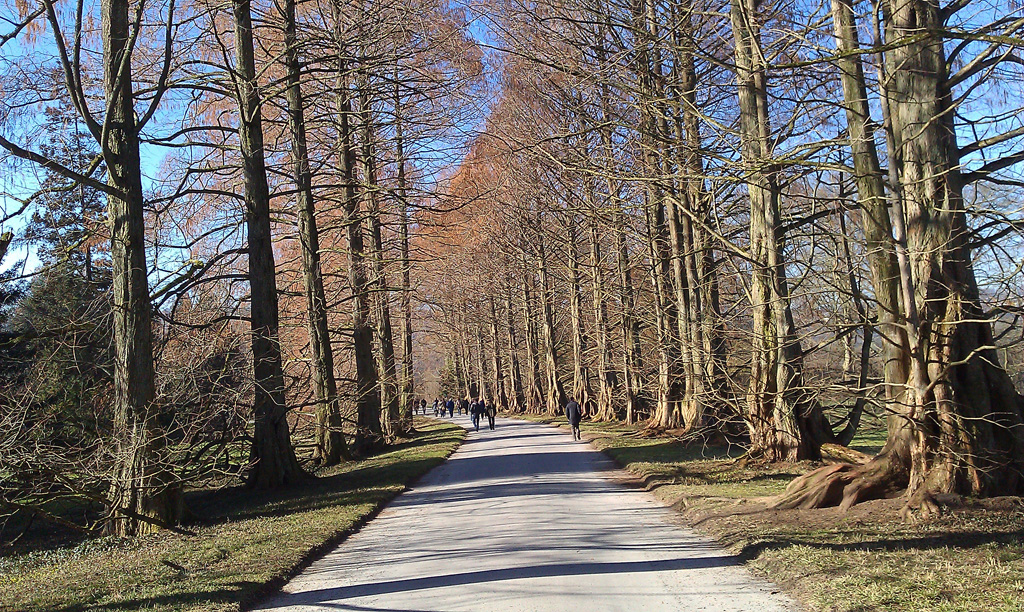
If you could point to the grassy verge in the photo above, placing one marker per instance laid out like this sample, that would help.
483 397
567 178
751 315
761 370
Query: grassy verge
970 559
257 541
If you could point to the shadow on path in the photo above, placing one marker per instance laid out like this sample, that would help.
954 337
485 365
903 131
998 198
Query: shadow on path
321 596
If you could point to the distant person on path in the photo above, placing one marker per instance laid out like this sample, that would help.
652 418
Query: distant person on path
435 408
492 412
574 415
475 410
464 403
451 408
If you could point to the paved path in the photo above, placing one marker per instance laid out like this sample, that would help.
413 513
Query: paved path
524 519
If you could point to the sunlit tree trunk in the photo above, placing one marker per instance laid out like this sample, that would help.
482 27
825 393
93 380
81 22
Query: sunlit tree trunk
959 419
534 392
386 362
778 407
407 391
144 495
272 456
368 434
555 393
608 378
516 401
330 448
500 397
581 390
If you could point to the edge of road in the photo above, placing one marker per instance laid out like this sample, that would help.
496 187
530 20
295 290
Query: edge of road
314 554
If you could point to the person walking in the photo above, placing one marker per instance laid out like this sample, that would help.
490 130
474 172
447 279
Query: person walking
492 411
475 411
574 415
451 408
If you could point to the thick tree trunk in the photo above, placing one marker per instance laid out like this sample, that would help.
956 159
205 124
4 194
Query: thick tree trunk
516 401
660 216
782 421
272 456
386 362
407 391
368 435
628 322
330 448
144 495
555 397
500 398
961 417
608 379
634 406
534 392
581 390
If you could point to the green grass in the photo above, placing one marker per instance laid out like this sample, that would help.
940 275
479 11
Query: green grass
255 542
867 560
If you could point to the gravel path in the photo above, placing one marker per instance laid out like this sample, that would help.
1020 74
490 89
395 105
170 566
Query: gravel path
524 519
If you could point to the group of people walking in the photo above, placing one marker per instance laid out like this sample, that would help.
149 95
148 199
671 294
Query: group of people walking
479 408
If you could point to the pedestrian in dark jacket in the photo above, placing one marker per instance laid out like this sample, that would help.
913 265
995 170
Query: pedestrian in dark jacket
475 410
492 412
574 415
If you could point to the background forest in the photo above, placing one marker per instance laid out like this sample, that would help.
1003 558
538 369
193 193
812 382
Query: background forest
239 239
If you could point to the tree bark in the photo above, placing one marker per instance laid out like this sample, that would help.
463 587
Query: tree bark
608 379
581 390
500 398
144 494
387 365
516 401
368 435
330 448
534 393
962 418
407 390
272 456
781 419
555 397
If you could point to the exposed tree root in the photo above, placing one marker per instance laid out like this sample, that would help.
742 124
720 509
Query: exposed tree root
843 485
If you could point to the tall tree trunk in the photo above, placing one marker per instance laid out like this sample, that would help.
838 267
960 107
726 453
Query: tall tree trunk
634 406
781 418
272 456
534 393
368 435
387 365
555 399
516 401
500 397
144 495
330 448
481 363
661 211
608 379
964 419
628 322
407 391
581 390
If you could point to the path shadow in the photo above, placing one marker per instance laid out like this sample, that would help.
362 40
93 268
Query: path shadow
323 596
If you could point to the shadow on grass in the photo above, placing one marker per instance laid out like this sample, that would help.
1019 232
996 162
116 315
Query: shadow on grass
345 485
946 539
197 599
